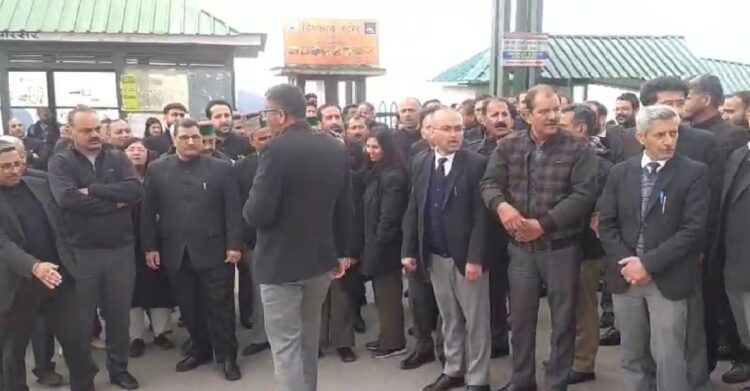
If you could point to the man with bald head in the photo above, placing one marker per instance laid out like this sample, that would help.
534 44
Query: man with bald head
541 183
407 131
445 234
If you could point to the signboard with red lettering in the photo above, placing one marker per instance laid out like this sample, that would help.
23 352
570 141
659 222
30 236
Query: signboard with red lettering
331 42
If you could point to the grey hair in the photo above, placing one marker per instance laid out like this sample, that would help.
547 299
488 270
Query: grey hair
17 142
647 115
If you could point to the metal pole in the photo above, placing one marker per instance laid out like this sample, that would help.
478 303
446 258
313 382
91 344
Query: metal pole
535 26
496 64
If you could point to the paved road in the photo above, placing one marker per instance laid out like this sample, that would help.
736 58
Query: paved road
155 370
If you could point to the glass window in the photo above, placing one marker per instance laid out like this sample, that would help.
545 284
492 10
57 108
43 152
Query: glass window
95 89
28 89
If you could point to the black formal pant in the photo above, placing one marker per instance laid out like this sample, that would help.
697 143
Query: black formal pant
58 308
424 310
528 270
206 301
245 289
43 346
337 319
498 297
388 288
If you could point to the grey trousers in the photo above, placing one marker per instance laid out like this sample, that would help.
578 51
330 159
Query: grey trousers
106 279
293 324
696 350
740 304
465 309
528 270
258 333
653 330
337 318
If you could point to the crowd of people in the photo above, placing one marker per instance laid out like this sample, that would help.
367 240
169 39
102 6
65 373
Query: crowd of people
482 208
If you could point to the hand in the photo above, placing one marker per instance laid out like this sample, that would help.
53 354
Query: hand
510 217
352 261
121 205
153 260
473 272
594 224
47 273
340 269
530 231
633 271
84 191
233 256
410 264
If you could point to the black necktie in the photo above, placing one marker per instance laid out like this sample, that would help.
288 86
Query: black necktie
441 168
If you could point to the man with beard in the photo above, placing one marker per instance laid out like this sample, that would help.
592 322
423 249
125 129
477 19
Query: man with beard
173 113
407 132
497 122
736 109
626 107
704 98
367 110
46 128
473 128
190 226
208 142
117 133
220 113
357 129
36 149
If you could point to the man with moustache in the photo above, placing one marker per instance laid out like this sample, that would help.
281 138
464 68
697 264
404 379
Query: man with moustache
367 110
541 184
117 133
736 109
190 226
220 113
37 150
626 107
357 129
173 113
497 122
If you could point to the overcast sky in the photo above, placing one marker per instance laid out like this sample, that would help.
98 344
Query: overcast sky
419 39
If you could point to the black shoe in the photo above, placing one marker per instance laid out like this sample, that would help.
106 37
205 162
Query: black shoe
500 351
137 348
580 377
610 338
163 342
246 323
231 370
187 347
478 388
607 320
386 353
359 323
49 378
738 373
372 345
255 348
416 360
346 354
124 380
189 363
444 383
511 387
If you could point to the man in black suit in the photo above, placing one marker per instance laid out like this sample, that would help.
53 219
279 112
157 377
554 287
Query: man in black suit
173 113
731 247
653 255
190 226
704 98
541 183
301 206
407 130
36 276
445 228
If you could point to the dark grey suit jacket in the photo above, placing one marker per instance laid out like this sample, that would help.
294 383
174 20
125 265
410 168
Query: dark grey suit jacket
673 230
15 262
464 214
301 206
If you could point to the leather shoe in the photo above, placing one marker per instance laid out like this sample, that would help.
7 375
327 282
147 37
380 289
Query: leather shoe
738 373
610 338
49 379
163 342
478 388
347 354
444 383
124 380
231 370
500 351
137 348
575 377
186 347
416 360
511 387
255 348
189 363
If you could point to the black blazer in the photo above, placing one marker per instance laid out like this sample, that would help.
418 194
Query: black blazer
301 206
191 207
15 262
672 239
245 170
464 213
615 136
384 201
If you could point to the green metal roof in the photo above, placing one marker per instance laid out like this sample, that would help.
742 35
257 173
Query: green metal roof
153 17
610 58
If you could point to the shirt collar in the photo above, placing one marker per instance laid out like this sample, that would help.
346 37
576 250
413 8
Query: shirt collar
645 160
439 155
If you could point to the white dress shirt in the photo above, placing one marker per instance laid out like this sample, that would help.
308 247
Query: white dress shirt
645 160
448 164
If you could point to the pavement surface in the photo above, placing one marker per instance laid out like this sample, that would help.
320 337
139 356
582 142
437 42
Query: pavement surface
155 370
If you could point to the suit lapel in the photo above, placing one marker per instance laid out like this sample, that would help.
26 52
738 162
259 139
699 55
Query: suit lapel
450 180
665 176
742 186
633 185
43 199
423 181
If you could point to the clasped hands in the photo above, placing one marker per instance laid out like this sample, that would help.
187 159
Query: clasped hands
520 228
633 271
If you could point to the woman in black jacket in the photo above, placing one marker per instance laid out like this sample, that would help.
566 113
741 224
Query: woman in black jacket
386 192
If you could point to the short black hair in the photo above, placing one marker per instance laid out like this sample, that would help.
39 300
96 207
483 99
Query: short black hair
311 95
325 106
172 106
347 107
582 114
601 110
744 97
289 98
217 102
185 123
652 87
487 102
708 85
632 98
468 104
369 105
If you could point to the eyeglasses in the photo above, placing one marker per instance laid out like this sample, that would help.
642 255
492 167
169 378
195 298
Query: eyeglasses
264 113
10 166
450 129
